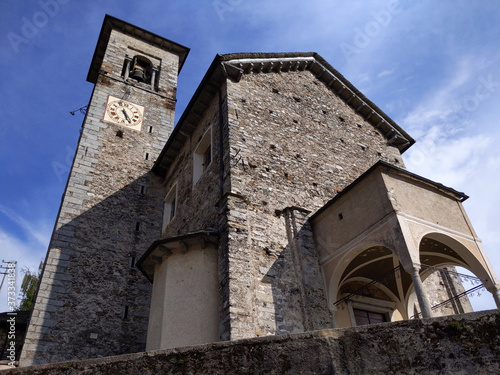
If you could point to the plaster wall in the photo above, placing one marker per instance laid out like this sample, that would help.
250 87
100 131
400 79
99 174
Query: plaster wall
380 219
420 201
364 205
185 302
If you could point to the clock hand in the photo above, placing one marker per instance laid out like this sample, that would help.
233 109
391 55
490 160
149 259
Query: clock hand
125 114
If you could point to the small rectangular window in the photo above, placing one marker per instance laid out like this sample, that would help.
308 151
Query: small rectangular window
202 156
170 206
142 189
363 317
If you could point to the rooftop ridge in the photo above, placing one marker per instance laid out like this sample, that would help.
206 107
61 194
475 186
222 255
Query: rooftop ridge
234 66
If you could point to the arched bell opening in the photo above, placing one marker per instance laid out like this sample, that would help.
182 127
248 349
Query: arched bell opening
141 69
369 288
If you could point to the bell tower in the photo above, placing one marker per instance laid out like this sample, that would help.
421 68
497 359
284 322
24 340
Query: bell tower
92 301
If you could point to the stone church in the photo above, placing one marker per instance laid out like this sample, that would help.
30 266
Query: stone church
279 203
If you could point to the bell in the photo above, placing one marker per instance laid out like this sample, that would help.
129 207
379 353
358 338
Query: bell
138 73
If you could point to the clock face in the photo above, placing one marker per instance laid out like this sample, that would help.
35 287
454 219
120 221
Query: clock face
124 113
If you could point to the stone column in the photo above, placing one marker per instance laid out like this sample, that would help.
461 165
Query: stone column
154 73
423 301
496 295
128 60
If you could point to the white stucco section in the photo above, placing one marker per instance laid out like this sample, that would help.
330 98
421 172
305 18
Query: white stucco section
185 300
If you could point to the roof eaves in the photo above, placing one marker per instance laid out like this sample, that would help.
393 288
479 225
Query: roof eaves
283 62
204 235
233 66
210 81
400 171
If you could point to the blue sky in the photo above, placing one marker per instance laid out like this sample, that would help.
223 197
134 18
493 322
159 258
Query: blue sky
433 67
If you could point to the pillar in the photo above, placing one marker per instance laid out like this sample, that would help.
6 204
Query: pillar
496 295
423 301
154 72
128 60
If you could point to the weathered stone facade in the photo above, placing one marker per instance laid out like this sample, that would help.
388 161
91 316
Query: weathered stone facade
92 300
294 143
196 207
219 212
442 286
275 170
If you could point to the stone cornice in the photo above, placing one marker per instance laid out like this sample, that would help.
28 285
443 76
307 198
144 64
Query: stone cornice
165 246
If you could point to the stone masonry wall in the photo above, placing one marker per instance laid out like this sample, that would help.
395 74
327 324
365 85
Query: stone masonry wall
92 301
441 287
293 142
459 345
195 205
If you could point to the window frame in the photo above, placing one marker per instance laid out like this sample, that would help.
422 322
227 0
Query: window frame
199 155
170 204
370 304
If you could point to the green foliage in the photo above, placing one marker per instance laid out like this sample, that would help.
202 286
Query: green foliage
29 287
455 328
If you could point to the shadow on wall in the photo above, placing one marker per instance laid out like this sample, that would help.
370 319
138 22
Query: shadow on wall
92 300
299 303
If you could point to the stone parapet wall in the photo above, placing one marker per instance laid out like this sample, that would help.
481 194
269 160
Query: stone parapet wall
460 344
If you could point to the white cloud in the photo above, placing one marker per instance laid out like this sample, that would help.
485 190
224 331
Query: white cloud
40 232
451 161
455 125
27 256
467 164
385 73
25 244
